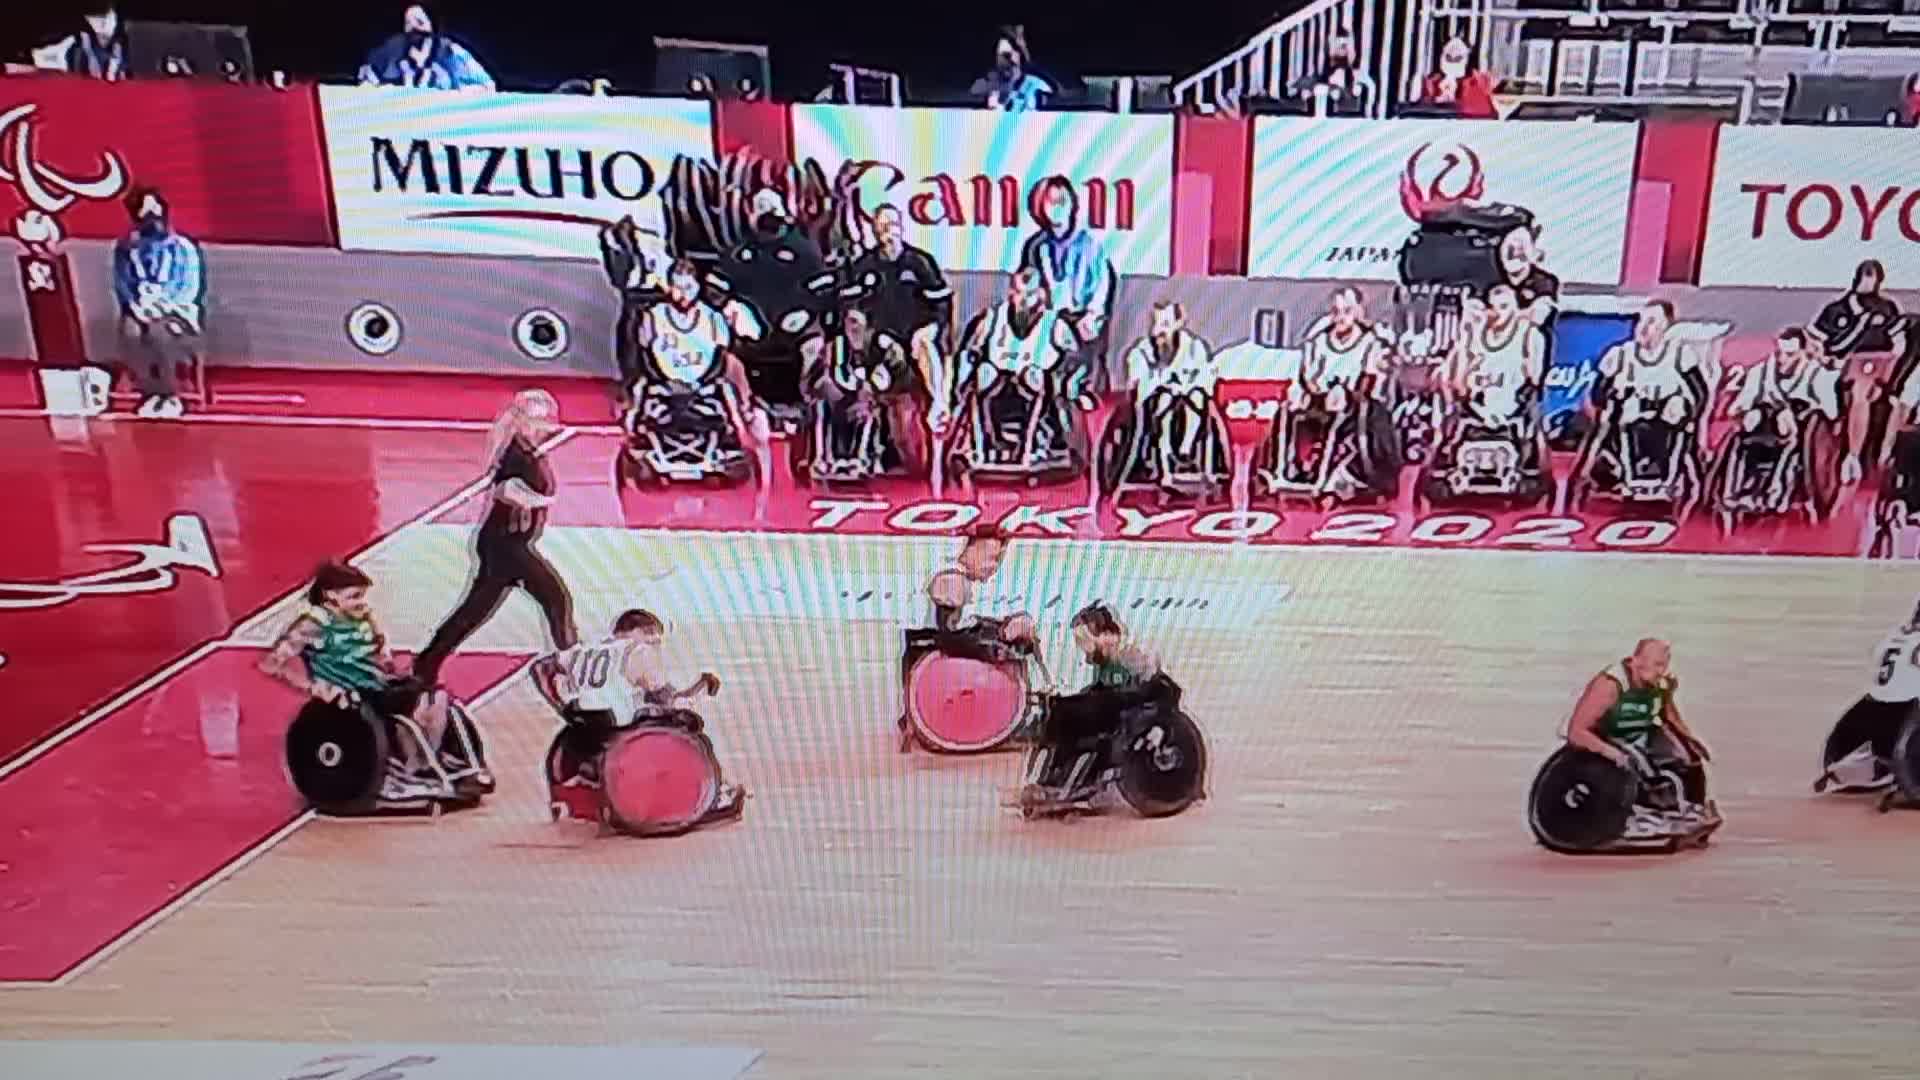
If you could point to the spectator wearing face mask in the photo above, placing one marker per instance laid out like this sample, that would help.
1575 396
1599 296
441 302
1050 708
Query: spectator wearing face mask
420 56
1458 84
99 49
1347 88
159 281
1012 86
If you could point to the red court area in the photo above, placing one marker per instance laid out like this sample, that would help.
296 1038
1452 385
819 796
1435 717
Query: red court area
269 502
156 797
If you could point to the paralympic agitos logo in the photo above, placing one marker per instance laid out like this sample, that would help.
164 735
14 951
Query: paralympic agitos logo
488 171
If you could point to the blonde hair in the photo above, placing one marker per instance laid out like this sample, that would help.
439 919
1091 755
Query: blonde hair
513 420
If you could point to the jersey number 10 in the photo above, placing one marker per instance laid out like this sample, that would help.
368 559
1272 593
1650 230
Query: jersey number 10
590 669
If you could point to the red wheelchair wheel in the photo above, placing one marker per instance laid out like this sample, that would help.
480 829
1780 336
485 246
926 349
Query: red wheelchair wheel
658 781
964 706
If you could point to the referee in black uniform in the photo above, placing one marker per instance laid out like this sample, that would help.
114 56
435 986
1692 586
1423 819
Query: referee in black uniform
523 490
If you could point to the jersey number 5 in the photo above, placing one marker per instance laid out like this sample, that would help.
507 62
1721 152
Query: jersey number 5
1887 661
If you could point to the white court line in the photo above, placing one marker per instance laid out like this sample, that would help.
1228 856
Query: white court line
252 854
235 634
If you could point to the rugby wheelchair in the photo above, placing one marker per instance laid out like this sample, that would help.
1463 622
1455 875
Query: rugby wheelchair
653 777
1027 426
684 432
1780 458
857 406
1485 452
1154 758
338 758
1174 443
1583 804
1896 508
790 297
1415 397
1638 453
1336 445
967 692
1872 749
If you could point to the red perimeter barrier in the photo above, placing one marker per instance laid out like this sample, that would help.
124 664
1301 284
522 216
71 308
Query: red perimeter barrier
237 164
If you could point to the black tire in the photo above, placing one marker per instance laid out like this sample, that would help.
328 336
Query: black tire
337 758
1906 760
1165 782
1580 802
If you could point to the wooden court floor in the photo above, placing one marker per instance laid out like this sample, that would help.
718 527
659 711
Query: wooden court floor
1359 898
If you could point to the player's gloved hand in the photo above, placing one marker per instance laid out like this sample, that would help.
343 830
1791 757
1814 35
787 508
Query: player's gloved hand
1698 749
1637 763
709 682
338 696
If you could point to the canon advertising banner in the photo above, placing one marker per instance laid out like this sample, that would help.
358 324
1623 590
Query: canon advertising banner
1802 206
236 164
1338 198
970 182
533 175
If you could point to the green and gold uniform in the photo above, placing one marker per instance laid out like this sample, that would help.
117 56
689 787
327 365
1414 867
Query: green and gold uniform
1640 710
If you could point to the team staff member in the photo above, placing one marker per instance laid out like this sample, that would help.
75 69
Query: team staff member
523 494
911 301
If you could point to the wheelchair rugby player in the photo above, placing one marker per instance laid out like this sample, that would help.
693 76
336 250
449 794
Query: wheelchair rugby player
964 678
370 738
1631 776
1124 732
1875 746
629 754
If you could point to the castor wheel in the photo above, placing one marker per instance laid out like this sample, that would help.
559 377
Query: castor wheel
1886 801
1820 785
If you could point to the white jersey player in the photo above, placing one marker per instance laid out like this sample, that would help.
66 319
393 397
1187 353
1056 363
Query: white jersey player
684 336
1021 333
1651 376
1500 354
1896 665
625 672
1342 349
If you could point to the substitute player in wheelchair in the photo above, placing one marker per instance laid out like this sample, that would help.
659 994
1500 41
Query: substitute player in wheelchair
1124 732
370 738
1875 746
1169 435
629 754
964 677
1493 443
1652 398
1335 439
1022 393
1786 448
1631 776
864 403
694 417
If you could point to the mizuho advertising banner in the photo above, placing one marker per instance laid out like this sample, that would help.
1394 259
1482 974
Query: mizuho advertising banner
1338 198
500 174
969 181
1802 206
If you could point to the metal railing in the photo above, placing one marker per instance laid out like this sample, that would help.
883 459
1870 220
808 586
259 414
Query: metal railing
1294 49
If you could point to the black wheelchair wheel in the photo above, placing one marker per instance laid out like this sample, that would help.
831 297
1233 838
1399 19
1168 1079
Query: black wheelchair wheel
337 758
1580 802
1906 760
1868 721
451 742
1164 781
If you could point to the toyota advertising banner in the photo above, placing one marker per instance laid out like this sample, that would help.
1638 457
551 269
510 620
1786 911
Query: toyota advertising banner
236 164
500 174
1338 198
969 180
1802 206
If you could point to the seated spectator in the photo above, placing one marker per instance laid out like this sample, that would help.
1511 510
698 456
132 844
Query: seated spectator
99 48
1012 86
1459 84
1347 88
160 286
418 56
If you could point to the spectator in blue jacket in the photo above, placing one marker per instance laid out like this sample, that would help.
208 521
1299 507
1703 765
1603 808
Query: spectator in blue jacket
160 282
98 49
418 56
1079 276
1012 86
